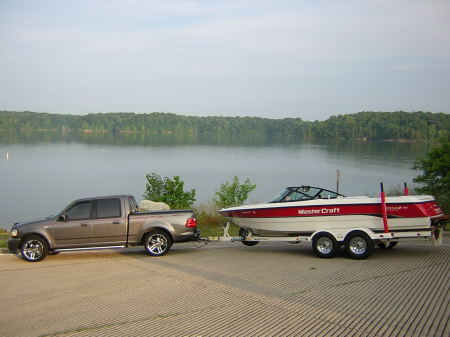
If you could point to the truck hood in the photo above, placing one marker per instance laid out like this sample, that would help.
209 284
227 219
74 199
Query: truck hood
31 223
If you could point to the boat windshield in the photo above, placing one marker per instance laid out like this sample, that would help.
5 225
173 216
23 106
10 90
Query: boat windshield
304 193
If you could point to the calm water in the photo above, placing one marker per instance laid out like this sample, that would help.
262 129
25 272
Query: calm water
42 174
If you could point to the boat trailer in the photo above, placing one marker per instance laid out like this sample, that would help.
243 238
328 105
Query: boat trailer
358 242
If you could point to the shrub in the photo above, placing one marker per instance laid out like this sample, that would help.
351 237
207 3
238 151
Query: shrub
234 193
170 191
435 177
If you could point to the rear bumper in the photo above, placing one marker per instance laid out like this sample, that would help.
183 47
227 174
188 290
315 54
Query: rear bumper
13 245
186 237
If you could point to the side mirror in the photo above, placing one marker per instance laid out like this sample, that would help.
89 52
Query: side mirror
62 217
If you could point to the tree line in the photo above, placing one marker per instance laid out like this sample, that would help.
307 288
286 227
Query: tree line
365 125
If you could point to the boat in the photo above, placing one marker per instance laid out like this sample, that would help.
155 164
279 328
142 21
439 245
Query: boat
304 210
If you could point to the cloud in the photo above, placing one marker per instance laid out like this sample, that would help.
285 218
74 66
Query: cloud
287 54
421 66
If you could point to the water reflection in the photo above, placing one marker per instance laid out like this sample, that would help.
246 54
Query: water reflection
44 171
141 139
389 150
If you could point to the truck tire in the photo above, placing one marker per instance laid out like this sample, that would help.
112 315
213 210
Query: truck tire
34 248
157 243
358 245
325 245
243 232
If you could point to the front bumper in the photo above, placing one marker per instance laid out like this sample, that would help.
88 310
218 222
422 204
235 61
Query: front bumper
13 245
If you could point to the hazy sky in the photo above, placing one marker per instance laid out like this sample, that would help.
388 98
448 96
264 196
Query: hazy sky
308 59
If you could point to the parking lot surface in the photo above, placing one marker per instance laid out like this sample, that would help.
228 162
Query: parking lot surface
228 289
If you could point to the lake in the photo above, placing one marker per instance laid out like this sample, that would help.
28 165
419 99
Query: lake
41 173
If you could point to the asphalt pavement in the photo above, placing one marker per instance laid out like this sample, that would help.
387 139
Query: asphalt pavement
228 289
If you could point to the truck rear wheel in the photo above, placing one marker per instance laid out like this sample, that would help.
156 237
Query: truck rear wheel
34 248
325 245
157 243
358 245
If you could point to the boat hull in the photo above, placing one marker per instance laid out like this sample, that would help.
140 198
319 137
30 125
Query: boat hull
306 217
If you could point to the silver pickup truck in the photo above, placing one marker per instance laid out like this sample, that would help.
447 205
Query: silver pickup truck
102 222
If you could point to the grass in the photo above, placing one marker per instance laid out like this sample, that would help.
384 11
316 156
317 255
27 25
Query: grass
210 222
208 230
4 240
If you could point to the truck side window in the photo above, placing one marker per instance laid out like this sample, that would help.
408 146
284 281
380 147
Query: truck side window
80 211
133 205
108 208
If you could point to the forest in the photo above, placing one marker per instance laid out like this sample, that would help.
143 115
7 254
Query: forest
363 126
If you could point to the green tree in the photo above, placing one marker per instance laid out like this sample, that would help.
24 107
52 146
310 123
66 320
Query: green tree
170 191
435 177
234 193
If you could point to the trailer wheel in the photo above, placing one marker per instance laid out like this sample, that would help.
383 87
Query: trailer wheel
358 245
325 245
244 232
157 243
389 245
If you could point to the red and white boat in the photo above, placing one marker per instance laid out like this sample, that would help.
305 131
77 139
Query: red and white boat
305 210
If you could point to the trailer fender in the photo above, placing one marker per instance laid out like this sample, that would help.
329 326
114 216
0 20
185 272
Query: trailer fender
341 234
331 232
364 230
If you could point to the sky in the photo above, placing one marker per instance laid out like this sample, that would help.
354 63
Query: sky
266 58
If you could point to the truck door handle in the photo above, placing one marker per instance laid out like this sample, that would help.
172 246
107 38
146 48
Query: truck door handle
116 222
84 224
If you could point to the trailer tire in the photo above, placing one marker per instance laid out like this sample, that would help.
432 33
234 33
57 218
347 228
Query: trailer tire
157 242
325 245
389 245
244 232
358 245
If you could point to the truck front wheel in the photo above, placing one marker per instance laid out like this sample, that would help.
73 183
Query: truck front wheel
34 248
157 243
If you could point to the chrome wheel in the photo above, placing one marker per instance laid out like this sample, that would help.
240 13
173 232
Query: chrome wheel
34 248
157 243
358 245
325 245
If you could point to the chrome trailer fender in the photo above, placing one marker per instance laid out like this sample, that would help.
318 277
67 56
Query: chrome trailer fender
340 234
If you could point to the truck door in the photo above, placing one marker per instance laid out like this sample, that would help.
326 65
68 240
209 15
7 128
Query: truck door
109 226
76 229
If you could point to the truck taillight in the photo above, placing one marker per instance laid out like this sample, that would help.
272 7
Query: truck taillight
191 223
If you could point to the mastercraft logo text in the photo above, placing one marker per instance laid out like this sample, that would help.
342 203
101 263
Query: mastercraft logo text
334 210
